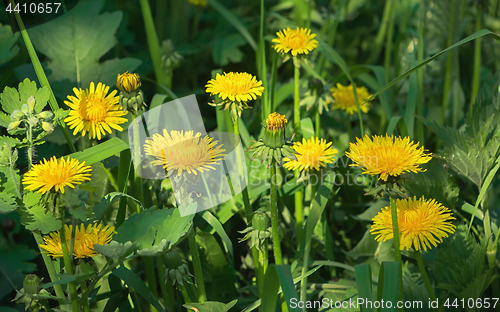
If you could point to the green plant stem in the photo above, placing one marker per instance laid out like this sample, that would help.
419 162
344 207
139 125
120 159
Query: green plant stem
86 307
40 73
278 259
67 263
168 298
318 123
420 75
137 158
198 272
307 252
151 277
476 75
449 61
427 283
349 128
388 42
184 293
153 43
397 251
381 31
296 105
50 268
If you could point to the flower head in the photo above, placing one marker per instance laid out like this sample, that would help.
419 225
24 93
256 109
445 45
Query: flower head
296 41
311 154
421 223
275 130
94 112
387 156
85 239
182 151
56 174
275 121
198 2
344 98
237 87
127 82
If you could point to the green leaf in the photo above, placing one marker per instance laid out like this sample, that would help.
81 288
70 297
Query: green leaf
364 282
133 281
235 21
115 249
215 223
277 275
154 230
102 207
8 39
211 306
75 42
12 99
33 216
307 128
388 284
365 248
226 50
411 100
100 152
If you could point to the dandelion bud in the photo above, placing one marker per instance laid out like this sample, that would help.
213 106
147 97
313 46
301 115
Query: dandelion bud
275 130
16 115
31 103
169 58
33 121
13 125
47 126
176 269
31 284
260 221
45 115
128 82
25 109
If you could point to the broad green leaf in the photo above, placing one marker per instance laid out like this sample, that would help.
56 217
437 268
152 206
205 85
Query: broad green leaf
33 216
102 207
135 282
115 249
75 42
277 275
13 99
215 223
392 124
388 284
227 50
235 21
8 39
210 306
154 230
364 282
307 128
100 152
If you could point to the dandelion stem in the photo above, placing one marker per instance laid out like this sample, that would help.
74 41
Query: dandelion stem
151 277
86 307
318 123
198 272
263 261
184 294
397 251
296 106
274 216
168 296
67 262
427 283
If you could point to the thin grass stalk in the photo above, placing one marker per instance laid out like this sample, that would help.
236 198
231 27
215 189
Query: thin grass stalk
68 265
298 135
420 74
397 251
274 77
198 272
154 45
427 283
476 74
278 259
381 31
151 277
388 42
449 61
40 73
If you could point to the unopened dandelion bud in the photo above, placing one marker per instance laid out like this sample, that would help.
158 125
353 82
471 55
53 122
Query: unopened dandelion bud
25 109
31 284
260 221
33 121
46 115
275 130
170 59
31 103
16 115
13 125
47 127
128 82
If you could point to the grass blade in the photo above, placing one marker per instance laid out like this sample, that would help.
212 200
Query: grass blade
100 152
364 281
388 284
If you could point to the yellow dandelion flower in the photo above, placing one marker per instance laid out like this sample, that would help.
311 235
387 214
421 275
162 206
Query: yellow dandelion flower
421 223
275 121
311 154
344 98
198 2
296 41
239 87
184 151
128 82
56 174
387 156
94 112
85 239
